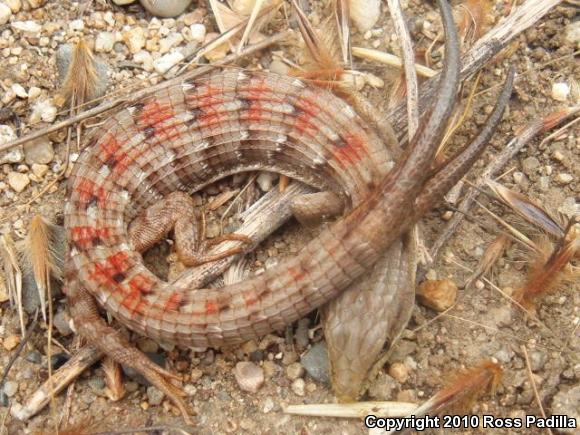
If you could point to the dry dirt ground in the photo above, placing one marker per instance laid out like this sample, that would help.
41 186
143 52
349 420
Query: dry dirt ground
483 324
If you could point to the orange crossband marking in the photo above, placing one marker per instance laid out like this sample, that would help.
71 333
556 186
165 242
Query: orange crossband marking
211 307
141 283
173 302
303 125
109 147
112 271
119 261
255 111
158 117
88 191
209 117
135 303
308 105
352 151
103 275
168 132
249 298
209 95
85 237
155 113
296 272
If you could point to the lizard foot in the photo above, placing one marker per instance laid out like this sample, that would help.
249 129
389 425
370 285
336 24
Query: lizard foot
111 342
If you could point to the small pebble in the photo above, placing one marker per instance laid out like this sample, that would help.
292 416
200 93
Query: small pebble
298 387
165 9
564 178
36 3
4 400
270 368
39 151
96 383
154 396
560 91
431 274
249 376
30 29
502 316
58 360
195 375
315 361
34 92
10 388
382 387
265 181
294 371
190 390
269 405
76 25
197 32
572 33
147 345
172 40
399 372
249 346
19 90
5 14
39 171
537 360
13 155
43 110
438 295
530 165
11 342
18 181
104 42
14 5
135 39
131 386
34 357
165 63
557 155
61 322
145 59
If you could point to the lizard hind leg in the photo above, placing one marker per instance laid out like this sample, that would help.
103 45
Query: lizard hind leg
110 341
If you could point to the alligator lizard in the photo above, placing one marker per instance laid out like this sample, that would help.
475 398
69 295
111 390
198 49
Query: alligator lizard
177 141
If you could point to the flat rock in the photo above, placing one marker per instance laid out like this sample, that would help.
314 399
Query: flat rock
249 376
315 361
39 151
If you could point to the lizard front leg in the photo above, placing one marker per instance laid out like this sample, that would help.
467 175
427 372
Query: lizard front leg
311 209
175 211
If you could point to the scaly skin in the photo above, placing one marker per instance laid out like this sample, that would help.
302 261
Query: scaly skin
195 134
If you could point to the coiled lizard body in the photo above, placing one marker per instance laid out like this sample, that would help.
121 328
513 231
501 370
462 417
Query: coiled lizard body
187 137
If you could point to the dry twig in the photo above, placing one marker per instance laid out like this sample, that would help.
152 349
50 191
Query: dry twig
409 64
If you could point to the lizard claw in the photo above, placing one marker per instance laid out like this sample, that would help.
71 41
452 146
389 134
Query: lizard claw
158 377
